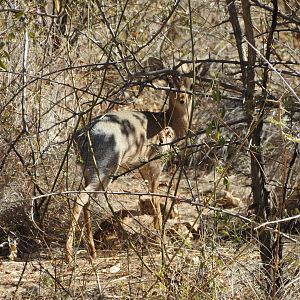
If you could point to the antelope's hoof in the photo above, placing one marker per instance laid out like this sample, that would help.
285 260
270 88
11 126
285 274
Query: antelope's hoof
146 206
174 213
93 254
68 258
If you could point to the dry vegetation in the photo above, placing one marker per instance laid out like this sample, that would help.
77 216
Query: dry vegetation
63 62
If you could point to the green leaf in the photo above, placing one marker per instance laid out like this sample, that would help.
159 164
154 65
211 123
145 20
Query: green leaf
226 183
218 135
6 54
219 169
218 131
216 94
2 65
31 34
11 36
209 129
19 14
224 233
222 113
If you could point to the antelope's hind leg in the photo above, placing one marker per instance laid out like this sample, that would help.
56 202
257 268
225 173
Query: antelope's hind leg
82 202
89 230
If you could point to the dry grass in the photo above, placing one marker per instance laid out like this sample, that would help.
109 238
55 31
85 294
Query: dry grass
207 253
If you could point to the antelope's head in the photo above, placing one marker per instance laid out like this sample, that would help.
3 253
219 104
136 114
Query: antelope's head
180 87
179 95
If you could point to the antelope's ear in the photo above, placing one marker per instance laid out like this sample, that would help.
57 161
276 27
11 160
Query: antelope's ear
155 64
202 69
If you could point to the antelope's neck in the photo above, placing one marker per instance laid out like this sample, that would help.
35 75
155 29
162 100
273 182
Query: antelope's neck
178 121
175 119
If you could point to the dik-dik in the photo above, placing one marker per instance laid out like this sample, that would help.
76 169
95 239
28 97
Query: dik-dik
124 139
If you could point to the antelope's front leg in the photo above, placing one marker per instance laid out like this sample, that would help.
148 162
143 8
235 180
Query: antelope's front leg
151 172
157 219
80 202
89 232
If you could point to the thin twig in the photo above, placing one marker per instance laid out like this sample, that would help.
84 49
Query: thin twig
172 197
274 69
277 221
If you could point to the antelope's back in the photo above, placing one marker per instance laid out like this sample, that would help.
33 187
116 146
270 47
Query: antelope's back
113 138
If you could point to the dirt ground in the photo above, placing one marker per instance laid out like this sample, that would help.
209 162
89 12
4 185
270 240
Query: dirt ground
202 257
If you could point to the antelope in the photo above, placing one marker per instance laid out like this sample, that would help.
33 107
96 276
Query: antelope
122 139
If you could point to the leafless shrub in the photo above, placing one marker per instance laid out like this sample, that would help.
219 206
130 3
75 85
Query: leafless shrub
64 62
